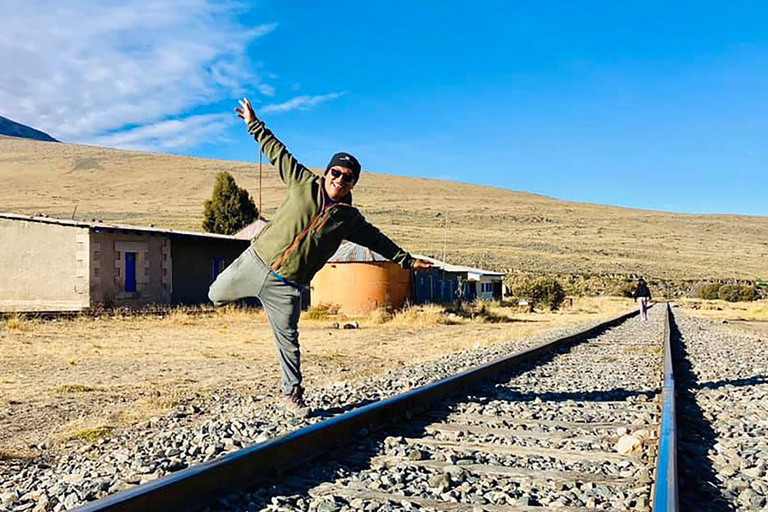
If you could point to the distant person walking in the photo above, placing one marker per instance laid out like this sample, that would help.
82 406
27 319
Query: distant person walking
642 295
306 230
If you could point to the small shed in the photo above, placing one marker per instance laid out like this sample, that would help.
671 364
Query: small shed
51 264
359 280
446 283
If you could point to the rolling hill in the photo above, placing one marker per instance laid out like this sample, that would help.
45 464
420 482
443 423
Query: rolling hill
14 129
489 227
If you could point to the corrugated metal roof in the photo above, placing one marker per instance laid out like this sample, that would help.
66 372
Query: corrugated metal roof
458 268
117 227
251 230
350 252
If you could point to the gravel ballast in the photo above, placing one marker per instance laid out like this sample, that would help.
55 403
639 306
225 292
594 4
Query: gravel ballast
723 397
723 420
202 430
612 381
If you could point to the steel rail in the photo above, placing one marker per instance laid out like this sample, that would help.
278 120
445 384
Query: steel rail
194 487
666 495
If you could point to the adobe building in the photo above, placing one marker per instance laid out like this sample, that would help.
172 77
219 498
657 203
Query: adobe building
61 265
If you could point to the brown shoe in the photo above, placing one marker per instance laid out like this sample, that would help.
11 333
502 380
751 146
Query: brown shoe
294 403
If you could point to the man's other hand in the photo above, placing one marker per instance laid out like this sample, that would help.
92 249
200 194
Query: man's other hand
245 112
419 264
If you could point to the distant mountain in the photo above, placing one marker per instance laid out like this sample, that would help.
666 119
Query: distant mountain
14 129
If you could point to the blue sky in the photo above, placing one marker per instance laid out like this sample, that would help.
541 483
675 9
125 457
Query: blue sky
658 105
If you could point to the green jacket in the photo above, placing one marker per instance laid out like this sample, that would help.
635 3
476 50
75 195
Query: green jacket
302 235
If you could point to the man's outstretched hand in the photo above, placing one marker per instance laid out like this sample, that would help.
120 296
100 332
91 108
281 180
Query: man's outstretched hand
245 112
419 264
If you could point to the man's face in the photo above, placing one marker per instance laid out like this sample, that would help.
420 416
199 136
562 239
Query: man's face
339 181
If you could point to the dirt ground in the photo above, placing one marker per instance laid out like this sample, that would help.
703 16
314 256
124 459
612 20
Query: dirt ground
64 379
749 317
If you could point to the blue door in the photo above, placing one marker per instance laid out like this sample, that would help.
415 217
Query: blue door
130 272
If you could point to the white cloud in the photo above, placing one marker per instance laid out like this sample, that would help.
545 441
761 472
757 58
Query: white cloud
82 70
299 103
170 135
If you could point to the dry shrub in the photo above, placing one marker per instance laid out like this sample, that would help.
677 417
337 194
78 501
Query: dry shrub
321 312
623 289
17 322
707 291
379 316
485 306
91 434
93 428
180 317
480 311
422 316
75 388
542 291
237 314
85 429
489 311
738 293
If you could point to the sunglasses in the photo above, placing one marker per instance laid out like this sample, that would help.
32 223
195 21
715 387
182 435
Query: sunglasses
346 178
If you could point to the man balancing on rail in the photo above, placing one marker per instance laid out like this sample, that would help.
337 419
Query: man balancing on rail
306 230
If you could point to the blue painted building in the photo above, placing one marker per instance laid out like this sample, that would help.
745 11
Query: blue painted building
445 283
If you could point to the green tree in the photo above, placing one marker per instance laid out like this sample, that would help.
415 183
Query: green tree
546 291
748 293
737 293
230 209
708 291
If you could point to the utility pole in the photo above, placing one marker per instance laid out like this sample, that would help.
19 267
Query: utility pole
445 235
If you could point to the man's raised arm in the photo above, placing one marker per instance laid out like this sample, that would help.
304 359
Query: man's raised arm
291 171
368 235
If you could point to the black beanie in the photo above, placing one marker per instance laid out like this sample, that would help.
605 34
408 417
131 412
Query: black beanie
345 160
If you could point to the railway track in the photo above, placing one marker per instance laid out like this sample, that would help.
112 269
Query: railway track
583 423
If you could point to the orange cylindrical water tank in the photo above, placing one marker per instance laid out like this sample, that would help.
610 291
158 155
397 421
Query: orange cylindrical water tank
358 287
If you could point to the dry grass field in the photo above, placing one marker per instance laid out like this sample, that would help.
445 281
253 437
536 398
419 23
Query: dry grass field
489 227
751 317
80 378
